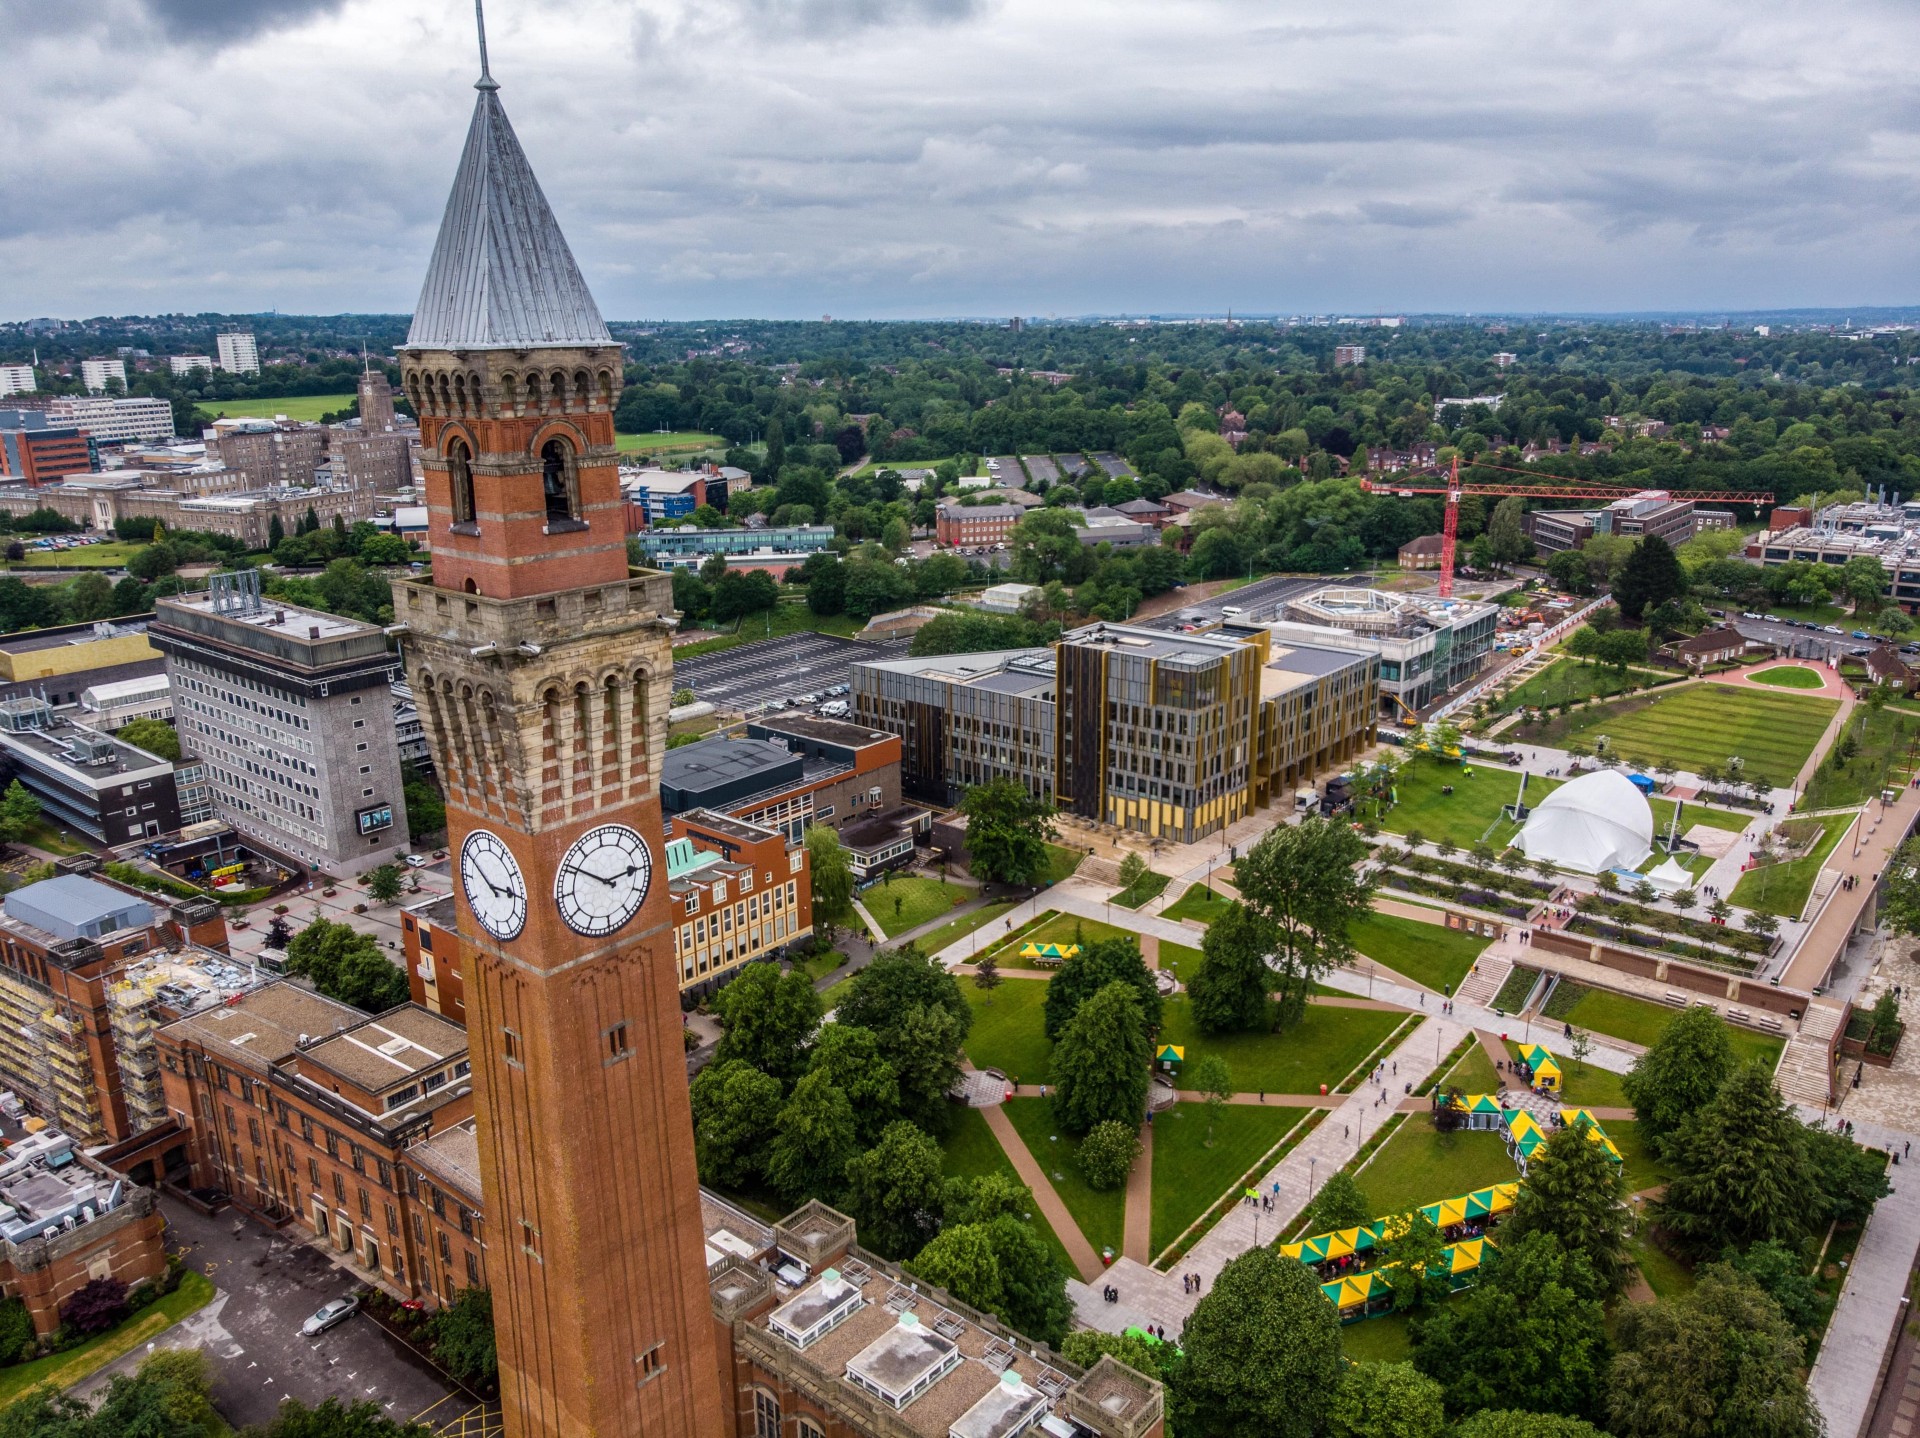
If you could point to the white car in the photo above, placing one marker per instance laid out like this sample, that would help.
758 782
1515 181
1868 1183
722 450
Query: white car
334 1310
414 861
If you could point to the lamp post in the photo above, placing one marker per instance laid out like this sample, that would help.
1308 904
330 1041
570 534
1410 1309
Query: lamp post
1312 1164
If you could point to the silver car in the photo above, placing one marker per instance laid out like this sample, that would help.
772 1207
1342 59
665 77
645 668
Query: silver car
334 1310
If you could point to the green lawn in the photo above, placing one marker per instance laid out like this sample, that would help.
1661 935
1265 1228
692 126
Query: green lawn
1666 1276
1727 819
1469 812
1065 861
1573 680
1323 1048
1378 1340
1591 1088
1418 1166
973 1152
1198 903
1100 1216
1189 1177
1054 928
834 993
1643 1170
1788 676
308 407
111 555
1702 725
1009 1032
1811 613
875 466
1783 888
1883 738
1429 954
900 904
775 623
959 928
1473 1073
63 1370
1149 888
818 966
1182 959
1641 1021
660 443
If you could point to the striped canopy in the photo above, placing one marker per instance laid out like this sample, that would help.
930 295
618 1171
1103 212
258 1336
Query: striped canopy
1546 1068
1048 951
1583 1119
1485 1202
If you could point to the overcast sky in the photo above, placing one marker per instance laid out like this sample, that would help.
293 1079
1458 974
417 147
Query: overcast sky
892 158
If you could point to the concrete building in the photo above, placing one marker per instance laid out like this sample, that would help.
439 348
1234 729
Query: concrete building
376 402
108 792
59 664
1652 511
1100 525
689 548
238 353
1344 355
266 454
743 892
1194 731
119 702
17 379
35 451
187 364
116 421
80 959
1006 598
1426 647
96 374
292 713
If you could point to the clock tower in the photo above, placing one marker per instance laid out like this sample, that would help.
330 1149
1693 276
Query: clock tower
543 669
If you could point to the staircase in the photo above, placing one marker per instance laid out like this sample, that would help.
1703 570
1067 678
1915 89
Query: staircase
1479 988
1806 1066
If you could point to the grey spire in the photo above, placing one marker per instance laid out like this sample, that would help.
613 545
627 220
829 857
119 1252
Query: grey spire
501 276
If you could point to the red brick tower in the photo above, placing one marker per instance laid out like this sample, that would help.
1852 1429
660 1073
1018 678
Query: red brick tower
543 670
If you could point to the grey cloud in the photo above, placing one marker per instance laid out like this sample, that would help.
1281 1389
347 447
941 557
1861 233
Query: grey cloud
225 22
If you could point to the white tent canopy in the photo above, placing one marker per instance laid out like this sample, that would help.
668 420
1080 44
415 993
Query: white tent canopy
1596 822
1671 877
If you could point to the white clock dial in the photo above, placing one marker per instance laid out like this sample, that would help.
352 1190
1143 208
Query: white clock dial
495 888
603 879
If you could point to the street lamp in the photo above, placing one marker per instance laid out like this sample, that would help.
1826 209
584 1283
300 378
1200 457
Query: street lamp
1312 1164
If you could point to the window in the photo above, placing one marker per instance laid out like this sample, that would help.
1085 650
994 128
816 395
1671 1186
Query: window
460 473
652 1363
473 1270
510 1049
766 1414
529 1239
809 1430
559 481
619 1045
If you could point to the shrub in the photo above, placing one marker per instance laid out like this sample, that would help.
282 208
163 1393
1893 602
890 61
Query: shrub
16 1331
1107 1154
96 1307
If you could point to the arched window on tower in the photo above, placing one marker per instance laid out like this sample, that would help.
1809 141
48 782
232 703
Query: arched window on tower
560 480
460 475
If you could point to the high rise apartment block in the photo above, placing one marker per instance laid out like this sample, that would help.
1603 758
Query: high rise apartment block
16 379
116 421
291 712
187 364
238 353
95 373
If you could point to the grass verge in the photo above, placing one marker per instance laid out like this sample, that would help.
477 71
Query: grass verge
63 1370
1101 1217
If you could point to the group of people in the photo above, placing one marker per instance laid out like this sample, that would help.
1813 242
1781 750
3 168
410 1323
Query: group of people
1190 1282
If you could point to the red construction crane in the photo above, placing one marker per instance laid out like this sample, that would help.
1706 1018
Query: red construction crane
1539 486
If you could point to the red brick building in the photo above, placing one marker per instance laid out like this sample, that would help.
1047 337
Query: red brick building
431 940
968 527
741 892
39 453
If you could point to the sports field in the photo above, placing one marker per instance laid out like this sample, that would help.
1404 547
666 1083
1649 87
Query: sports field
666 443
308 407
1704 725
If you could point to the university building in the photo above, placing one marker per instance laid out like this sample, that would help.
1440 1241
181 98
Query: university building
1170 735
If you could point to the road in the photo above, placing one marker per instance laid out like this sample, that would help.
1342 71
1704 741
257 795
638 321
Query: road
1798 641
757 676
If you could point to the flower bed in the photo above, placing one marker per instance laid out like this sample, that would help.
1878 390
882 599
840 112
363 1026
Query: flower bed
1715 935
1469 897
1697 953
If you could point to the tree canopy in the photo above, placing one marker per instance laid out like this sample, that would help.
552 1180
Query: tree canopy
1007 833
1101 1062
1304 880
1262 1353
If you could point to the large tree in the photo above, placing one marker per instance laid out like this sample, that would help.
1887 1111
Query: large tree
1651 576
1852 1179
768 1017
1743 1175
831 874
1528 1333
1101 1063
1574 1192
1720 1362
1303 878
1386 1400
1262 1353
347 965
1098 964
852 1058
1007 833
915 1009
813 1142
1230 991
734 1109
1340 1203
1513 1423
1679 1073
1005 1268
896 1191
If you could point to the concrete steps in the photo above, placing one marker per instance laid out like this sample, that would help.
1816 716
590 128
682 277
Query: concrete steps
1480 987
1806 1066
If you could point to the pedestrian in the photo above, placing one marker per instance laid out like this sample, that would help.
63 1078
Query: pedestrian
1396 1068
1263 1095
1347 1132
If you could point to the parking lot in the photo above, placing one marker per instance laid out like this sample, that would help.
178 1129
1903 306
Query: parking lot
1115 466
268 1286
1260 600
775 672
1040 466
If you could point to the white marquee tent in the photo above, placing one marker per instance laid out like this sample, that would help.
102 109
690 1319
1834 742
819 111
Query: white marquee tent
1596 822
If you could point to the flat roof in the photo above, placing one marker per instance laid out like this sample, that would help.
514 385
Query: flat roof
266 1025
1007 1408
55 747
829 731
899 1364
720 761
391 1049
67 635
272 615
1313 659
453 1155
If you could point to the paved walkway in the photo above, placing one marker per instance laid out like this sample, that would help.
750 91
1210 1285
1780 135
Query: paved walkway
1846 1376
1049 1202
1832 686
1138 1241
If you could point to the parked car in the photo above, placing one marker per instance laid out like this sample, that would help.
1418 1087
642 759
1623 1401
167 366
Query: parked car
414 861
334 1310
1833 629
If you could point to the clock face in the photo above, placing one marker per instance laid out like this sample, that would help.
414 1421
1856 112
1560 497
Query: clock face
495 888
603 880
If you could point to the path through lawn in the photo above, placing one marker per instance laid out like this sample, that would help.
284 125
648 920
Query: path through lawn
1101 1216
1188 1177
1701 726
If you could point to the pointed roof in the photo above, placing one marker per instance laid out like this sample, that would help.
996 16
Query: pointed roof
502 276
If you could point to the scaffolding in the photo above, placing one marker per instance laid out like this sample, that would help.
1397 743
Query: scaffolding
66 1073
133 1013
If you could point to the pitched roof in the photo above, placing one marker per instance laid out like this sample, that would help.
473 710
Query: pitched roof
501 276
1425 544
1712 641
